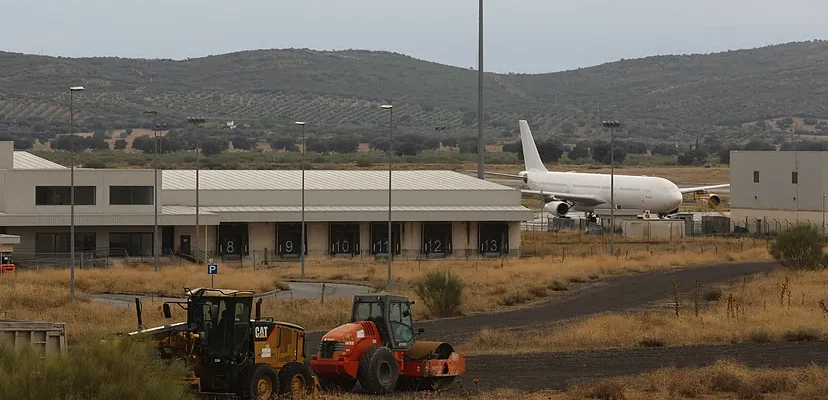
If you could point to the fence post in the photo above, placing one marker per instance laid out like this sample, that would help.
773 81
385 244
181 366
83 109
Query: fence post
323 292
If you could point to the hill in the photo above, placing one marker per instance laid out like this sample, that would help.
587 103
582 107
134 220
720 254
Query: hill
661 97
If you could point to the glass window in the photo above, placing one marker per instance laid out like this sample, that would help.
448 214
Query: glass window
367 311
401 323
59 195
755 176
794 177
130 195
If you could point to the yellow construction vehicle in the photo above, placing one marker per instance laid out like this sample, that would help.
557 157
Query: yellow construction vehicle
232 356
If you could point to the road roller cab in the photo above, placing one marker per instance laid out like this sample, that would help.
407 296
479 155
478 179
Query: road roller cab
378 349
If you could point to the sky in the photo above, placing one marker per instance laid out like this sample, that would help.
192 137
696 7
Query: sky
529 36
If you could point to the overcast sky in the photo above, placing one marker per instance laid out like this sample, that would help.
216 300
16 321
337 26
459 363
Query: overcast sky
520 35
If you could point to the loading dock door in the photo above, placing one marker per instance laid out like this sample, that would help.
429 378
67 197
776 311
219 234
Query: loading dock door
287 240
232 239
436 239
379 238
344 238
493 239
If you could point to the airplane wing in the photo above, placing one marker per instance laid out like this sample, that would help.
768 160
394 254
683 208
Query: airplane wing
702 188
503 175
583 199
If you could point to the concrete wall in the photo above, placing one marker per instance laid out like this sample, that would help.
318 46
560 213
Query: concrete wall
19 194
190 230
775 190
219 198
653 229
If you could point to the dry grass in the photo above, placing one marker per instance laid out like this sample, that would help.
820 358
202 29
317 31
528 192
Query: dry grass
723 380
490 284
755 310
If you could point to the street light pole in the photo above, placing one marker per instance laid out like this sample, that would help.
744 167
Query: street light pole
612 125
72 90
390 109
480 147
197 121
155 187
823 214
302 239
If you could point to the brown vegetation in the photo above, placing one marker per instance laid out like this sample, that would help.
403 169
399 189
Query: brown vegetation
782 306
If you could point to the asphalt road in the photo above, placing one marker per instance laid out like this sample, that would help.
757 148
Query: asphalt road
557 370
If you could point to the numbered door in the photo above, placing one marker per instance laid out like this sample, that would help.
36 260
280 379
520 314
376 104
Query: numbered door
493 239
379 238
436 239
344 239
232 239
288 243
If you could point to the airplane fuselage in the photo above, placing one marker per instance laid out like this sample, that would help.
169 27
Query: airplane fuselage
658 195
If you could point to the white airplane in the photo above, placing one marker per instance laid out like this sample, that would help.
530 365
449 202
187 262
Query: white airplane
587 192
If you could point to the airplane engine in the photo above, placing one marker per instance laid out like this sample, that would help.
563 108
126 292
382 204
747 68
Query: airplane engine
522 174
713 200
558 208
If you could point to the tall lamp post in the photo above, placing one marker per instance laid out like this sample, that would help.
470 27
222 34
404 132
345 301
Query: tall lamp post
612 125
390 109
823 214
197 121
480 147
302 239
155 187
72 90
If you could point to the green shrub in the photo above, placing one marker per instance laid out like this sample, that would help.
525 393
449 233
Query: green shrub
94 370
799 247
442 293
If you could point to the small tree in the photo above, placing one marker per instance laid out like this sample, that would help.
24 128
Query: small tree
800 247
442 293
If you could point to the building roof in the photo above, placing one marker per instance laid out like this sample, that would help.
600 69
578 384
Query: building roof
26 160
323 180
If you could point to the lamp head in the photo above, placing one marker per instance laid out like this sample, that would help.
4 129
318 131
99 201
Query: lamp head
75 88
299 123
386 106
195 120
151 112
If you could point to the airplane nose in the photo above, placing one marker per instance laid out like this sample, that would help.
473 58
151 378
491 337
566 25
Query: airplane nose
676 199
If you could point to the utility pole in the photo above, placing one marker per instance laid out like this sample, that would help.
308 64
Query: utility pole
612 125
302 239
72 90
155 188
390 109
481 148
197 121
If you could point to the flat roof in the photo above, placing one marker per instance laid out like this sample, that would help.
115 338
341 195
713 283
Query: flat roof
323 180
26 160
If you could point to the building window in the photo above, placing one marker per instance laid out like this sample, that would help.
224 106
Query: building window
130 195
59 195
755 176
794 177
130 244
52 243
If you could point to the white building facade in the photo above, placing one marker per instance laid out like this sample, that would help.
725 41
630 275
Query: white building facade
247 213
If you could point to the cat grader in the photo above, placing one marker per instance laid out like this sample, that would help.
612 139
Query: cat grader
378 349
232 356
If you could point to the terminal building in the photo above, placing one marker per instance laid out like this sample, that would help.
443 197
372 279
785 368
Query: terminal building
771 190
255 213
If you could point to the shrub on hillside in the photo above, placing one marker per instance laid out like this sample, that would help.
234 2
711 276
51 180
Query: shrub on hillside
95 370
800 247
441 292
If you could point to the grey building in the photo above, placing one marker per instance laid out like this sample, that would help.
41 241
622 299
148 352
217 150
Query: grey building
247 212
770 190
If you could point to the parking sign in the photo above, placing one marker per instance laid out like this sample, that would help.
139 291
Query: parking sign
212 269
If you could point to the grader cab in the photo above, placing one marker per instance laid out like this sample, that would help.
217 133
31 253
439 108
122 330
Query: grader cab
231 355
378 349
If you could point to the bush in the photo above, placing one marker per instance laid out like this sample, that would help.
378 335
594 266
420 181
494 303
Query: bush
799 247
441 292
94 370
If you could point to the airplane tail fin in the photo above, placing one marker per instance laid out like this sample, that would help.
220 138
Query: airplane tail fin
531 158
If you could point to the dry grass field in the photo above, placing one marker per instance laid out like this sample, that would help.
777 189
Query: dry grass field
723 380
782 306
489 284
